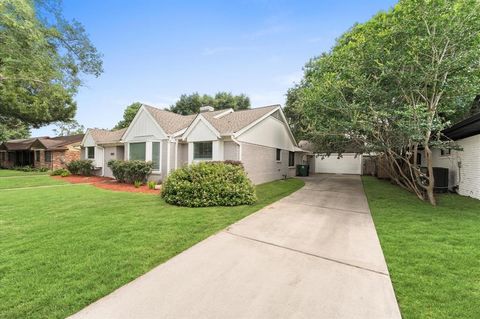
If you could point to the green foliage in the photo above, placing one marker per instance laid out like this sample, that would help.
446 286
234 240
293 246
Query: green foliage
128 115
209 184
68 128
30 169
11 129
137 184
60 172
42 59
190 104
81 167
151 184
392 84
130 171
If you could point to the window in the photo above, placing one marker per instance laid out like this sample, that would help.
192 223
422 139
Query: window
278 155
137 151
446 152
37 156
91 152
10 156
48 156
156 156
291 158
202 151
2 156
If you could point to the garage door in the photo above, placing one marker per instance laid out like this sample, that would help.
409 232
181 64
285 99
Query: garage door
348 164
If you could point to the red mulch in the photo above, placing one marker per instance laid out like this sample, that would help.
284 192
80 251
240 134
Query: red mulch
108 183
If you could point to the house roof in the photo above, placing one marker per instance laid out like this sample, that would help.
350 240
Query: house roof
44 142
102 136
466 128
236 121
224 121
170 122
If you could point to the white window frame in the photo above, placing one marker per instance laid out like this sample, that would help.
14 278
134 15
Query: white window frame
279 160
148 152
202 159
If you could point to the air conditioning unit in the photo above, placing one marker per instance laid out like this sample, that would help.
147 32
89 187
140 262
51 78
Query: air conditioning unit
440 174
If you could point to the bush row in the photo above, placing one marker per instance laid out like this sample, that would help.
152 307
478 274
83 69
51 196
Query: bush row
30 169
80 167
130 171
209 184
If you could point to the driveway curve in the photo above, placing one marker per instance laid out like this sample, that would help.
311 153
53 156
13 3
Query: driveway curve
313 254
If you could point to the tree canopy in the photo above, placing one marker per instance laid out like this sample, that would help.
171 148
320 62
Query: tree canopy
68 128
11 129
392 84
191 103
42 58
128 115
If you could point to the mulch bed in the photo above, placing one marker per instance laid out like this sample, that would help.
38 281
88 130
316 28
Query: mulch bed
107 183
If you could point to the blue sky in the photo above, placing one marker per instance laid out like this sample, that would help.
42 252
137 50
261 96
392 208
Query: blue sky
156 50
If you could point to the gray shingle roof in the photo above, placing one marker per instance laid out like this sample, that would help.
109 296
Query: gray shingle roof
227 124
102 136
48 143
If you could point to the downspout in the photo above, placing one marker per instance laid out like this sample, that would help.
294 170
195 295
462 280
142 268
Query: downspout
176 153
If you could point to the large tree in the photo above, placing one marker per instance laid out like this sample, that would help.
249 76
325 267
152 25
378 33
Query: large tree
392 84
42 58
12 129
68 128
191 103
128 115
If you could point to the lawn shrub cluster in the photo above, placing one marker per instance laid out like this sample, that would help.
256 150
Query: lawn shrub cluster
81 167
60 172
209 184
130 171
30 169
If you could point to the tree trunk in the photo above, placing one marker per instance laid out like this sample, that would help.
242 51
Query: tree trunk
431 179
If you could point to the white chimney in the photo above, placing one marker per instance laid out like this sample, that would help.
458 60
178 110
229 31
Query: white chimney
206 109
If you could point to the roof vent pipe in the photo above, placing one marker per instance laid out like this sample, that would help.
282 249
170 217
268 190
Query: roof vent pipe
206 109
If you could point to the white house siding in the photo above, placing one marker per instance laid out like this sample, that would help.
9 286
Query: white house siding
468 180
111 153
270 132
231 151
347 164
200 133
143 128
260 163
182 156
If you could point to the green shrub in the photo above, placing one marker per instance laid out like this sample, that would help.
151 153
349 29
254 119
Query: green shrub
81 167
209 184
30 169
137 184
59 172
130 171
65 173
151 185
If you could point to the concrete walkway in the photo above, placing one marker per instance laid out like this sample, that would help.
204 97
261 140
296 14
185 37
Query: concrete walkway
313 254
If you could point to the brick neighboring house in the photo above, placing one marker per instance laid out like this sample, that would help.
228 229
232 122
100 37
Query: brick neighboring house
38 152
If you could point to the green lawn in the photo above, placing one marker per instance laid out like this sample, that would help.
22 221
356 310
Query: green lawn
62 248
28 181
433 253
11 172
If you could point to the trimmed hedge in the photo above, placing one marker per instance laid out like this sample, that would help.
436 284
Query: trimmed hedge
80 167
209 184
130 171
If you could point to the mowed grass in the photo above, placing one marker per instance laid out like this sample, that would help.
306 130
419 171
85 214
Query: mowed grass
433 253
10 172
28 181
62 248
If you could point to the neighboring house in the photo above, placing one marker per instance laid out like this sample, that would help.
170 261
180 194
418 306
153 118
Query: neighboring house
49 152
464 165
260 138
101 146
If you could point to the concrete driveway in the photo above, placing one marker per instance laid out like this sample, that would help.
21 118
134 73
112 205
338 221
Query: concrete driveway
313 254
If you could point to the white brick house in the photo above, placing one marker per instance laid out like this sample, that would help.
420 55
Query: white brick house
464 166
260 138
